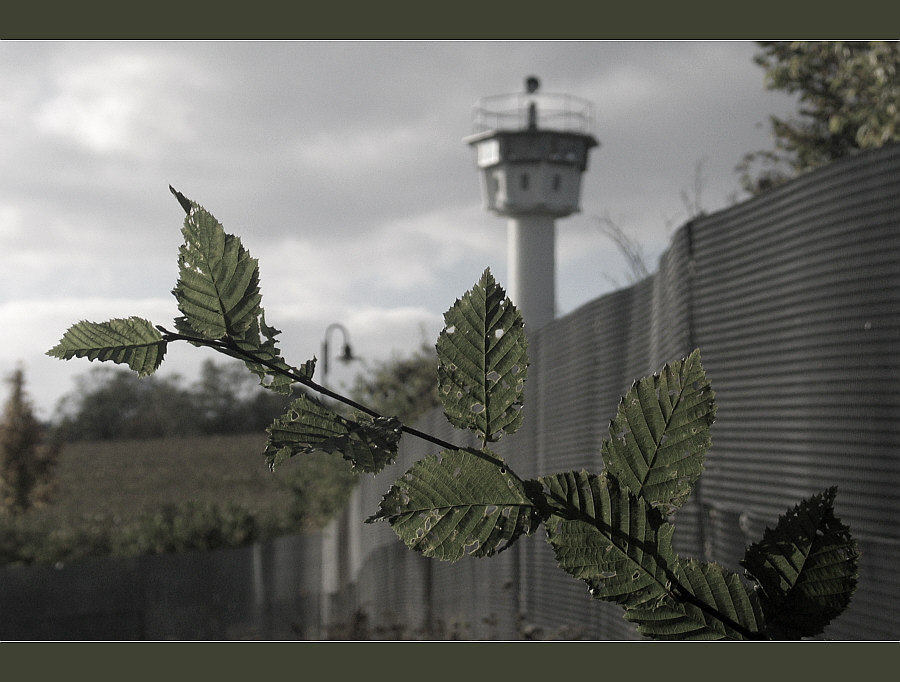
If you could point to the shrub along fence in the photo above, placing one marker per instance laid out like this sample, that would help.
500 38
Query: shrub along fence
793 298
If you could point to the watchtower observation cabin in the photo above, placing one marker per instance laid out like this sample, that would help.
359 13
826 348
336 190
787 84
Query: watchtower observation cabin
532 150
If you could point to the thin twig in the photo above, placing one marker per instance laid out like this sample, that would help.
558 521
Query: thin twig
675 587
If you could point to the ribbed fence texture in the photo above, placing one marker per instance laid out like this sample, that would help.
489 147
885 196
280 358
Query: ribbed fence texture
793 298
269 590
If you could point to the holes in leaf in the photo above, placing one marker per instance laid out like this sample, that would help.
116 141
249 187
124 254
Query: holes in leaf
492 376
490 509
451 329
499 333
477 408
665 508
607 574
635 575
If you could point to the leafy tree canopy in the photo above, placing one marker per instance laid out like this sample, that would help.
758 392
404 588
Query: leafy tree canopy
405 387
112 403
849 100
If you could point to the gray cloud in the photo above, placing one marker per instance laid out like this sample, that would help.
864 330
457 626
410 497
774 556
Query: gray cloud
340 164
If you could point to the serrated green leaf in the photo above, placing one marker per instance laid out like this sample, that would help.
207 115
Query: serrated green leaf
131 341
735 611
308 426
482 362
218 285
609 538
660 434
806 568
456 503
218 292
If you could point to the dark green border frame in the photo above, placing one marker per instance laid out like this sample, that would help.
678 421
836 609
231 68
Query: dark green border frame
424 20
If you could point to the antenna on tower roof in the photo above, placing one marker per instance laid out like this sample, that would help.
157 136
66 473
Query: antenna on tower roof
531 86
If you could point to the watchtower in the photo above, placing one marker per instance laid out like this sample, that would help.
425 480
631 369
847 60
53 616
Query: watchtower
532 150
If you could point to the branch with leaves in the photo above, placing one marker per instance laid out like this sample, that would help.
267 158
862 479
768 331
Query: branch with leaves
611 529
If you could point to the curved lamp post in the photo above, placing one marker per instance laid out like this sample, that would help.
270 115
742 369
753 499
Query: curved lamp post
346 355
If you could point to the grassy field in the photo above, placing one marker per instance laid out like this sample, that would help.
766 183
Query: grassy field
116 482
128 478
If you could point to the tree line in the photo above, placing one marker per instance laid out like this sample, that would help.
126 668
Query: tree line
848 97
111 404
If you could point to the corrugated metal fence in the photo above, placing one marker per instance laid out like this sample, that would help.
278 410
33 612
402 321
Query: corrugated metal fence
268 590
793 298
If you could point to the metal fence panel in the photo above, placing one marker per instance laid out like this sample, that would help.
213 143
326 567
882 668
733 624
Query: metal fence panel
793 298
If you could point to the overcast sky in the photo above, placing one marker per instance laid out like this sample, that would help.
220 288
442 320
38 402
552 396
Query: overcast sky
342 167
